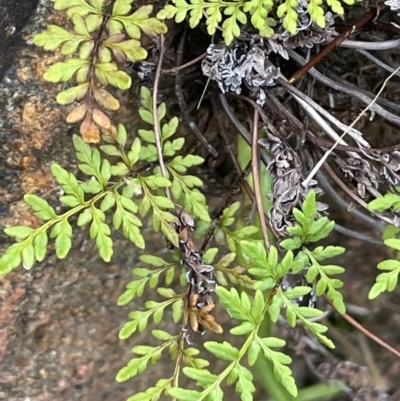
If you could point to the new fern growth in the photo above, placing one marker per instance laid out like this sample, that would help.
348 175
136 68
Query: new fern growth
262 14
95 49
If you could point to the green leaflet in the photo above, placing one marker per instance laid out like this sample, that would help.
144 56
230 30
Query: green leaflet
202 376
40 207
73 94
40 245
387 281
282 372
223 350
153 393
64 71
108 74
229 16
20 232
55 36
139 319
386 202
184 395
62 231
81 7
100 231
148 355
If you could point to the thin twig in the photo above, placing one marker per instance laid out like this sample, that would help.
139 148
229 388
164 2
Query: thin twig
228 144
386 45
284 112
255 105
355 134
175 70
353 196
355 234
350 91
245 135
333 194
384 102
377 61
325 156
366 332
310 92
182 103
335 42
155 115
229 200
293 124
256 180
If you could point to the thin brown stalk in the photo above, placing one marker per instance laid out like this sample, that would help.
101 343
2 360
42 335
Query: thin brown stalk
366 332
334 195
245 135
228 144
155 117
378 62
175 70
350 91
256 179
335 42
353 196
183 106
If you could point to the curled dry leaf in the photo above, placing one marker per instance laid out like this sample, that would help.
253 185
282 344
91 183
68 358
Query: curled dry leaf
89 130
200 278
76 114
199 317
101 119
105 99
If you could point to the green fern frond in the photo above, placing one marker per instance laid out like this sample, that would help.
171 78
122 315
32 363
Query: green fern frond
93 52
229 16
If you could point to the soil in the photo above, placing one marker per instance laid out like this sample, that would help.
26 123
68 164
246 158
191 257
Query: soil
59 322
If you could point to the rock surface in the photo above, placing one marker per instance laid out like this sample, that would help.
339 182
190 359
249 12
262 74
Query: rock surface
59 322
